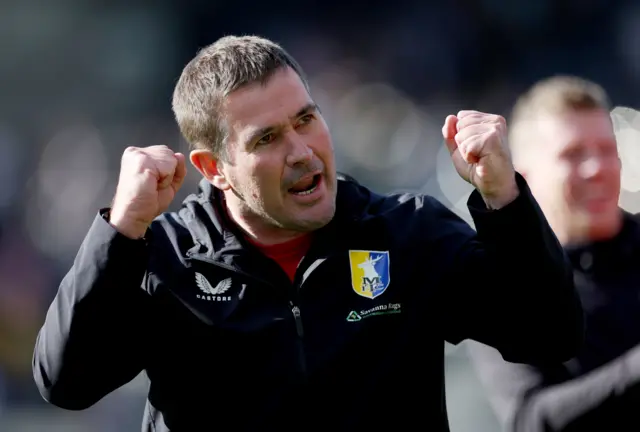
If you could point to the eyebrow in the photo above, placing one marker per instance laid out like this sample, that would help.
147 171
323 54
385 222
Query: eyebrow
307 109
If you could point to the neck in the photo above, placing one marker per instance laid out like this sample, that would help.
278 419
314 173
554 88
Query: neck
577 233
255 227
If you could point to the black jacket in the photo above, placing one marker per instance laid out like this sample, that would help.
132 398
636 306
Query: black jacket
256 352
598 389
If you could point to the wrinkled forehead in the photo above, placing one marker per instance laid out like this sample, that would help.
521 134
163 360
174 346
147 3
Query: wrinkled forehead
261 105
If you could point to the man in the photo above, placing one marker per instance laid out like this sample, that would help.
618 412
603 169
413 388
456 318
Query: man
282 296
563 143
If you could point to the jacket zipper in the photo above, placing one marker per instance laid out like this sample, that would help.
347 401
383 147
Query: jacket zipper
295 309
302 358
293 303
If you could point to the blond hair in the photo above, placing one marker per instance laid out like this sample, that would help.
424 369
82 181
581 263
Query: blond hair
556 95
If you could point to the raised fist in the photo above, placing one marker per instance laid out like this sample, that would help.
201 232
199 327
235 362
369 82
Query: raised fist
148 182
478 145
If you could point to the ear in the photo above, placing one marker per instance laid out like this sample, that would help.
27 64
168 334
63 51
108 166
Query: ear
211 168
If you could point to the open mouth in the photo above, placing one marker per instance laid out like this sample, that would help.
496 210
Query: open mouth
306 186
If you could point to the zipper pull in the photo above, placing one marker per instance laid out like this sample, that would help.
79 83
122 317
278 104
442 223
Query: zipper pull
296 316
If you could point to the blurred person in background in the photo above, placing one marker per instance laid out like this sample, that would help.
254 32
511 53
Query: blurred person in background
283 296
562 140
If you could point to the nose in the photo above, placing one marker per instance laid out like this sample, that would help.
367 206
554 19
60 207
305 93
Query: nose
592 167
300 152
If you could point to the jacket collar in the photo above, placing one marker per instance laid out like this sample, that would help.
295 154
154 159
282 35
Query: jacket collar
612 252
216 237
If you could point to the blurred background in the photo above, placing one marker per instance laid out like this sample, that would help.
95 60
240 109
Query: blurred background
80 80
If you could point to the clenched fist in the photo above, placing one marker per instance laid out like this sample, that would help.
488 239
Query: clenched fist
148 182
478 146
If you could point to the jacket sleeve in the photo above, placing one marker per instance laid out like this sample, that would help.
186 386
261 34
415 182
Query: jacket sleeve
511 285
527 399
92 340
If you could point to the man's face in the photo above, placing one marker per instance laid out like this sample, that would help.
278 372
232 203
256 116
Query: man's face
574 172
281 163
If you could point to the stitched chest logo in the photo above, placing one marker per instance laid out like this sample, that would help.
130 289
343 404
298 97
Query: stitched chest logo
369 272
383 309
211 293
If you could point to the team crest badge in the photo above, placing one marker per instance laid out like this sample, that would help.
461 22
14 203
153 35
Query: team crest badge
369 272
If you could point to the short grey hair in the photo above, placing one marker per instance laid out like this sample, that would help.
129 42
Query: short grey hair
217 70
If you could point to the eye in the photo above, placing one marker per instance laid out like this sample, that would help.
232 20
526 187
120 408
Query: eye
266 139
574 154
609 150
305 119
